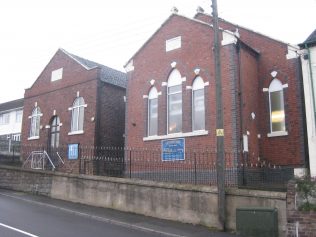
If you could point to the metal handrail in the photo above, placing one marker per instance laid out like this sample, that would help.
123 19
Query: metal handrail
60 158
42 154
51 162
27 159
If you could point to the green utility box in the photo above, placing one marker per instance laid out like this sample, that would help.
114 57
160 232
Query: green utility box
257 222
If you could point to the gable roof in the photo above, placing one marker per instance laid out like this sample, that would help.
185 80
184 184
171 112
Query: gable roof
109 75
162 25
311 39
194 19
240 26
11 105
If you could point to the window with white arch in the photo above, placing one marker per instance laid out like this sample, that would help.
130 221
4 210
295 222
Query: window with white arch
153 112
198 105
276 102
174 102
35 122
77 117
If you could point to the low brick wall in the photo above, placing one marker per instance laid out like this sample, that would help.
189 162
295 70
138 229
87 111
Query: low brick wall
184 203
35 181
299 223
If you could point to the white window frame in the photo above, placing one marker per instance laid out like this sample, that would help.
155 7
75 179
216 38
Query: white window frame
153 94
19 116
198 84
36 115
72 109
176 135
174 79
275 86
16 137
4 118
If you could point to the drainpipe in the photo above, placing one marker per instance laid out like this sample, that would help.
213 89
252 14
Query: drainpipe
311 78
97 121
241 102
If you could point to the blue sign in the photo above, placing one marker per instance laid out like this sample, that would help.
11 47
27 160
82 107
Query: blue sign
173 149
73 151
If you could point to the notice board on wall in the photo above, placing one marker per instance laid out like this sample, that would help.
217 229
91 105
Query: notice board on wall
173 149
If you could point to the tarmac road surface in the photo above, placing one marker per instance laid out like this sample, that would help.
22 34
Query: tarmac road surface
23 215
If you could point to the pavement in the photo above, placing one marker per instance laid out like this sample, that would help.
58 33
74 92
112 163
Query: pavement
108 222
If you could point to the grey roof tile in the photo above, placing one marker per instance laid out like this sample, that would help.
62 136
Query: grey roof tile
108 74
311 39
10 105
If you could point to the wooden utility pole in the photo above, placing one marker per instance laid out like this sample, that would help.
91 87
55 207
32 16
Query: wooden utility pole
220 159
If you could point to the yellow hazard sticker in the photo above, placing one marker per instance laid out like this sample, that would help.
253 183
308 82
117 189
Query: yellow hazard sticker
220 132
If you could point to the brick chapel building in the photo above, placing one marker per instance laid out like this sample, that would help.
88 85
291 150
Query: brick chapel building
171 92
74 101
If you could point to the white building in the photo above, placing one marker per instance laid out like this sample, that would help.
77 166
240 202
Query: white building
308 58
11 114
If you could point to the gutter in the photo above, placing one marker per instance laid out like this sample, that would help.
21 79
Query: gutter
10 110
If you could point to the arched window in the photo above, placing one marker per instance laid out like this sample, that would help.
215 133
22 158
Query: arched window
175 102
153 112
35 122
77 115
198 104
54 132
276 101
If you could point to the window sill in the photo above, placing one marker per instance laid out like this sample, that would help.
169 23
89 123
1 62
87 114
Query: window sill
176 135
278 134
76 132
33 138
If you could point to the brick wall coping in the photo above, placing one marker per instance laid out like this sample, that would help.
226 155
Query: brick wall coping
174 186
146 183
256 193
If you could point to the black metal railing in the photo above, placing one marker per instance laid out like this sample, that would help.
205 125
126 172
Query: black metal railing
198 166
10 152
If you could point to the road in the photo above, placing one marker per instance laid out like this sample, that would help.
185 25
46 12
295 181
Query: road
23 215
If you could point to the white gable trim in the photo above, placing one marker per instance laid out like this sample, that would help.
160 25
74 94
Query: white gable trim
248 29
129 66
229 38
292 51
87 68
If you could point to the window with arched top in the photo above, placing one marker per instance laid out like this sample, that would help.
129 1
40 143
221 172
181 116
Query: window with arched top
198 105
153 112
276 102
54 132
35 122
174 102
77 116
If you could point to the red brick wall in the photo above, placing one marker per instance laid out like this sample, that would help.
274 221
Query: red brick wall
60 101
286 150
153 62
111 116
248 82
73 74
59 96
303 223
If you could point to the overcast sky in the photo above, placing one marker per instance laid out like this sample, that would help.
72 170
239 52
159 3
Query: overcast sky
110 32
